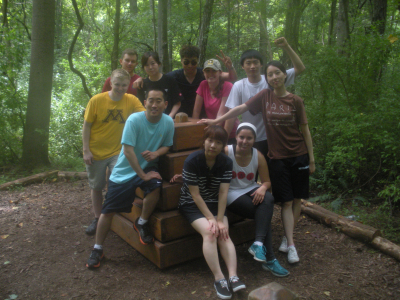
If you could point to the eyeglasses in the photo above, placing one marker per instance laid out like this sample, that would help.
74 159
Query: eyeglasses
193 62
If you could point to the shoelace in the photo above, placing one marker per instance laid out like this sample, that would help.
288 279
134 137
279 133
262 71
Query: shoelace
234 279
223 283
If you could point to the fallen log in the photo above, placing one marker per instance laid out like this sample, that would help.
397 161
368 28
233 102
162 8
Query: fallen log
28 180
70 175
386 247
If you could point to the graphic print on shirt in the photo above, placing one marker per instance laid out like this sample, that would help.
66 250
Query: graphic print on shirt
114 115
282 115
241 175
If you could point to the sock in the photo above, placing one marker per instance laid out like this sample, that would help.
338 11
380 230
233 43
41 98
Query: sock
142 221
258 243
98 247
291 246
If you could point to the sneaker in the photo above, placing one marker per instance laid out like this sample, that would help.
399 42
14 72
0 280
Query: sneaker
144 232
258 252
275 268
91 229
222 289
236 284
95 258
292 255
283 247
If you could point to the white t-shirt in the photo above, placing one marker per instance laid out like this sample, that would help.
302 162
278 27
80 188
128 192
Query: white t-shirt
243 90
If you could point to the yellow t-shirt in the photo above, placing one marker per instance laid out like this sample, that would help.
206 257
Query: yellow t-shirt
108 120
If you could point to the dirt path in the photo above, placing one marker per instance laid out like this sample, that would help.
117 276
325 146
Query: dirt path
43 250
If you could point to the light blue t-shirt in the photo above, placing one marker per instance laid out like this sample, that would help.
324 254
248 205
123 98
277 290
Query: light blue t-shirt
142 135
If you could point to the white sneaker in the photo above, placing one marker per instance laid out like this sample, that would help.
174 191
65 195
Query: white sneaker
283 247
292 255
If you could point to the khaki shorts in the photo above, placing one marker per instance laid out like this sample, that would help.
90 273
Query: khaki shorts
97 172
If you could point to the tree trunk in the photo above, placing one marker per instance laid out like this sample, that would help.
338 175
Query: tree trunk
133 8
228 28
379 12
331 35
58 34
36 132
171 61
163 34
343 32
115 51
4 11
263 29
153 10
205 27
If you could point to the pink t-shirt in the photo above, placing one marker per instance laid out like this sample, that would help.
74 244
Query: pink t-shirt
212 105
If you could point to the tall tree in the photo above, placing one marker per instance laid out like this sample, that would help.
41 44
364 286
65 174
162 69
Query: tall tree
343 31
379 12
115 51
58 33
228 27
204 29
331 36
163 34
133 7
265 45
36 131
153 11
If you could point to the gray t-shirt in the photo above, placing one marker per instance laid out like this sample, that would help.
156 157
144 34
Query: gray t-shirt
243 90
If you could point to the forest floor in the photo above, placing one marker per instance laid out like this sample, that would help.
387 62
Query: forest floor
43 251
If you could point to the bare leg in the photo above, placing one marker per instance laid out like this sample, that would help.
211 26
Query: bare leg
149 203
97 202
210 250
103 227
228 253
296 211
288 221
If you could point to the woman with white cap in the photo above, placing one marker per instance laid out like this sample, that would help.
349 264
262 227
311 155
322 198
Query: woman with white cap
212 94
249 199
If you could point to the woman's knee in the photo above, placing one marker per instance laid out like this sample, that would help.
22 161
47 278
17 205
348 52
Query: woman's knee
287 204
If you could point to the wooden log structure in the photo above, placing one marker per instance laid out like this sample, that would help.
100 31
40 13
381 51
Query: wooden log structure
72 175
172 163
28 180
188 135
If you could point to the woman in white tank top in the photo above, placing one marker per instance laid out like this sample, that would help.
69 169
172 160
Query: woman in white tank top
250 200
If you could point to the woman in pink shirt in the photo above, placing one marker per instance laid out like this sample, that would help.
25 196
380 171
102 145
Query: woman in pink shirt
213 93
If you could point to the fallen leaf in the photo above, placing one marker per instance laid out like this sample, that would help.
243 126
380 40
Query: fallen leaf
167 283
55 179
4 236
15 207
44 207
194 292
20 225
307 232
7 262
208 293
327 293
12 297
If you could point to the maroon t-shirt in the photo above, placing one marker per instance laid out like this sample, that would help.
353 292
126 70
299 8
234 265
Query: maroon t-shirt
131 89
282 118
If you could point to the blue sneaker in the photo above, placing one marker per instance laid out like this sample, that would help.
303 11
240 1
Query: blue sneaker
275 268
258 252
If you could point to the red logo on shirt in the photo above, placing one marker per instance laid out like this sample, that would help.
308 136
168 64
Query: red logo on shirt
250 176
233 174
242 175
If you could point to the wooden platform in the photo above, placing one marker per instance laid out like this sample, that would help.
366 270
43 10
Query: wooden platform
188 135
172 163
164 255
170 225
169 197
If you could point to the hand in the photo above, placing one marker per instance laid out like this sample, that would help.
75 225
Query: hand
207 122
177 179
149 156
312 167
138 83
151 175
223 231
88 157
259 195
281 42
213 226
226 60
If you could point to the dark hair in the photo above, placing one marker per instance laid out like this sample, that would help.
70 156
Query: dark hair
189 51
146 93
251 53
216 132
147 55
129 51
246 127
276 64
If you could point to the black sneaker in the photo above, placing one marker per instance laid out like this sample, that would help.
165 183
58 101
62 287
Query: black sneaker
91 229
95 257
144 232
236 284
222 289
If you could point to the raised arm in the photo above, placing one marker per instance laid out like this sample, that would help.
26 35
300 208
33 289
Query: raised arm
231 74
307 138
233 113
297 63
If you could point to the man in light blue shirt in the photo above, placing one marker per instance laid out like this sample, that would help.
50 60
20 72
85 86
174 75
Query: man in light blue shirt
147 135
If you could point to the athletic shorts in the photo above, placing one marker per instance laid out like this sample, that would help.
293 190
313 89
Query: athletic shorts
289 178
120 196
191 212
262 146
97 172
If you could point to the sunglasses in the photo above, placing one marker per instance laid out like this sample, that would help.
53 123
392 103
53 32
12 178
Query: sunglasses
193 62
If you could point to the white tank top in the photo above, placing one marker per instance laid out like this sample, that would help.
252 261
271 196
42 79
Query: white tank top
243 178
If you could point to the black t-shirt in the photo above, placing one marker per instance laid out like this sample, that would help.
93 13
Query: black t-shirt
166 83
187 89
196 172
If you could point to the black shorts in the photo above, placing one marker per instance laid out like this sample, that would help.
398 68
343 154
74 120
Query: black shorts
262 146
120 196
290 178
191 212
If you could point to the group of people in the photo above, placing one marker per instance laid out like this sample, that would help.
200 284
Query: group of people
127 135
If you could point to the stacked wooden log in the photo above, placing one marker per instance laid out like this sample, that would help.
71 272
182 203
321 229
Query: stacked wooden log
175 239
